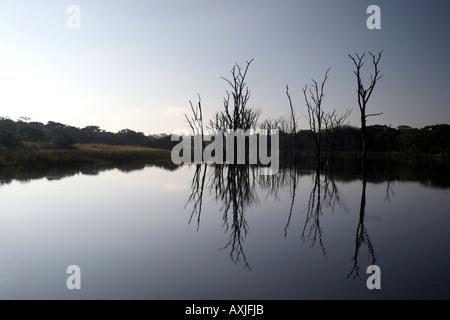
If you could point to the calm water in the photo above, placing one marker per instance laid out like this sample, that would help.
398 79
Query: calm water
226 233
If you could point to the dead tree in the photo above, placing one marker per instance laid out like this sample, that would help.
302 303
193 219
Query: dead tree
364 94
315 112
294 123
196 123
236 114
272 124
333 123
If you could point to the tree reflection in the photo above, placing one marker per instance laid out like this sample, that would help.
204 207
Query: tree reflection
389 189
196 197
324 194
362 236
312 231
234 187
286 178
293 176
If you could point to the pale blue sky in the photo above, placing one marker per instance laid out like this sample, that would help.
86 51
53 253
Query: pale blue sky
136 64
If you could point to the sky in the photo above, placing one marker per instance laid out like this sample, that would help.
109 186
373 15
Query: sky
137 63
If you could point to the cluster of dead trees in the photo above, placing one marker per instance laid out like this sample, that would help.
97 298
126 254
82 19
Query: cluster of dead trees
324 125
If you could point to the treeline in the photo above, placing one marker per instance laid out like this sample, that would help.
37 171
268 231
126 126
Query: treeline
429 140
56 135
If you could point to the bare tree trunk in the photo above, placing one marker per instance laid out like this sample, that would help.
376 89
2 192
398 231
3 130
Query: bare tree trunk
364 94
196 122
364 137
315 112
294 123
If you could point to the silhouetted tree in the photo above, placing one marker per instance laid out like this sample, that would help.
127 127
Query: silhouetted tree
8 125
236 113
10 141
364 93
130 137
315 112
293 123
196 121
64 141
333 123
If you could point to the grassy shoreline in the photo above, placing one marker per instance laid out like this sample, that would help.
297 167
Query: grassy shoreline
82 155
101 154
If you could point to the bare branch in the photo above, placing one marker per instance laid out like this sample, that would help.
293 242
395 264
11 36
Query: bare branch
374 114
293 118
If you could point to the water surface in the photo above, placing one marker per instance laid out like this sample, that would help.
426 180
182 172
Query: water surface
203 232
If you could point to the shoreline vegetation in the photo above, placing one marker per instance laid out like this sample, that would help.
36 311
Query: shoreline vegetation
85 155
35 146
82 155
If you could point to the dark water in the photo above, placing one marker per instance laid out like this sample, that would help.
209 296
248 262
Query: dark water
204 232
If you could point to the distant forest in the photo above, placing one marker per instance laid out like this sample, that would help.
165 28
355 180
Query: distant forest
429 140
15 135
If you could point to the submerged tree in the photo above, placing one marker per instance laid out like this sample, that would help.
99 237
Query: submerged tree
315 112
236 113
364 93
293 124
196 120
333 123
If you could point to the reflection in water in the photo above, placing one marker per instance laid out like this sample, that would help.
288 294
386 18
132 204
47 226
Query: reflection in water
389 191
293 176
131 227
54 178
312 230
238 187
234 187
324 194
24 175
362 236
197 187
